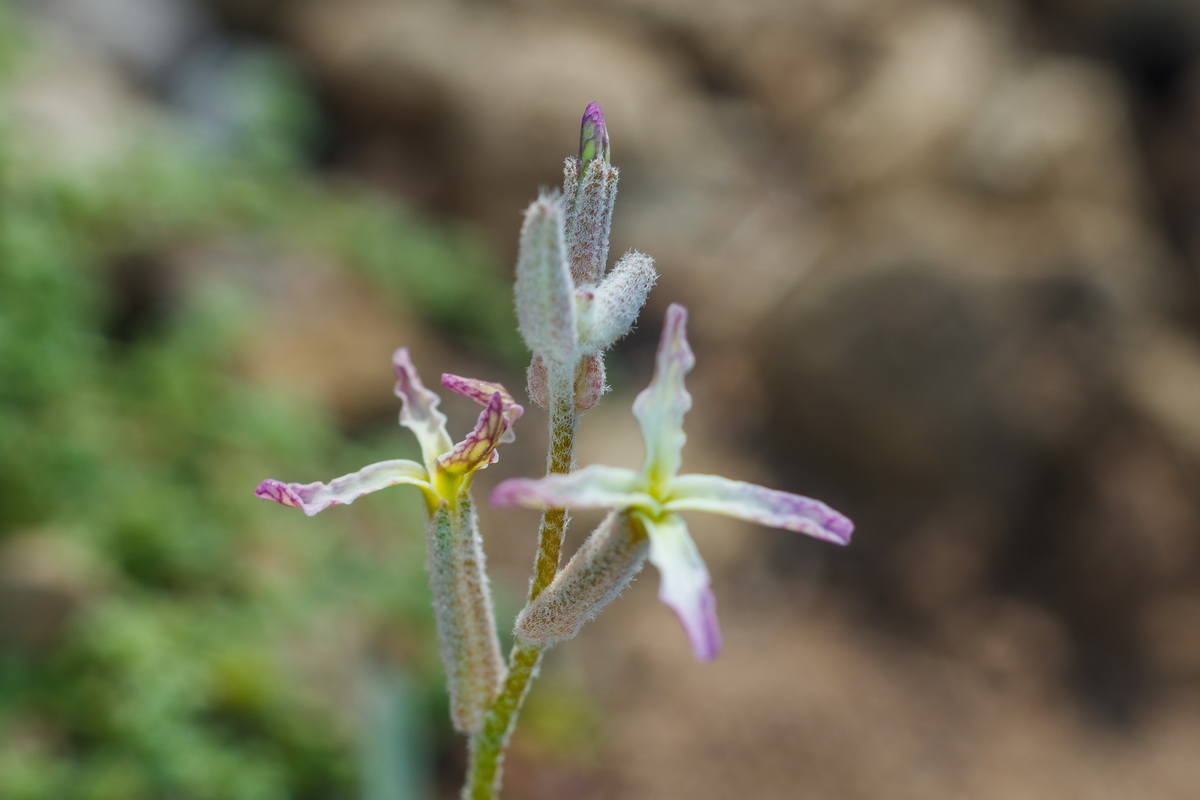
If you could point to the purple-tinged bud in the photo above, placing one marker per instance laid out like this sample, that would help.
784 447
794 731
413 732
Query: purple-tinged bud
590 381
593 136
589 191
537 382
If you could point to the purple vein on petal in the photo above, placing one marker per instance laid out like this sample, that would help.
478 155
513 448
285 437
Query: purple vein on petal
769 507
478 449
482 392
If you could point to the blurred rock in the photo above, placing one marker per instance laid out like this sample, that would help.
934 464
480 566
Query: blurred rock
1162 377
487 89
959 354
321 335
77 107
145 36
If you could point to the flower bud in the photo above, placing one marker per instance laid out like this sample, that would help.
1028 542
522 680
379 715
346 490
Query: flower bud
589 191
607 312
604 565
593 136
589 221
544 292
590 381
537 382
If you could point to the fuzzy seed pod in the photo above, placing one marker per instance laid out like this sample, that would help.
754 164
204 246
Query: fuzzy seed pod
462 609
537 382
604 565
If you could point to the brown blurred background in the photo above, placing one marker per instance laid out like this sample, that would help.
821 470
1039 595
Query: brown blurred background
943 268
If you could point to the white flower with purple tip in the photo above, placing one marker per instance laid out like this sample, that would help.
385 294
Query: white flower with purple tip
654 495
447 466
462 602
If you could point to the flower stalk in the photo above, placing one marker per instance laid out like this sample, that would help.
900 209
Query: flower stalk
570 309
486 748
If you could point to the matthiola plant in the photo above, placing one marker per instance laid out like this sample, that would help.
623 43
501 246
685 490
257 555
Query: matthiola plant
570 309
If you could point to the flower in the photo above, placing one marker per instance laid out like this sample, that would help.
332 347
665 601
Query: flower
653 496
447 467
462 603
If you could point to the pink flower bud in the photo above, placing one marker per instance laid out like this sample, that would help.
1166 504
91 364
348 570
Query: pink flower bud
590 382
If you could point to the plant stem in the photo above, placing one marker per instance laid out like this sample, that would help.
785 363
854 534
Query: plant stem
486 748
560 457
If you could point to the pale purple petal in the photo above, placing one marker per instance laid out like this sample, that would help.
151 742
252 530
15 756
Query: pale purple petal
590 487
481 392
479 448
685 585
747 501
419 412
312 498
660 408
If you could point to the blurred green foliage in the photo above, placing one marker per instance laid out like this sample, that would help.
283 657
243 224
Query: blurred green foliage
162 633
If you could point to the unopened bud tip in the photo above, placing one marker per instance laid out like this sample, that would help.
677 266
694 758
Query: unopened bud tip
593 136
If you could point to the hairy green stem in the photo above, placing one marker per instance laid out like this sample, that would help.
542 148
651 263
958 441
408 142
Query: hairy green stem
560 458
487 746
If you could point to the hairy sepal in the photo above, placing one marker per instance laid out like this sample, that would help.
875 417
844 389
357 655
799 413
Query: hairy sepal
544 292
604 565
606 312
462 609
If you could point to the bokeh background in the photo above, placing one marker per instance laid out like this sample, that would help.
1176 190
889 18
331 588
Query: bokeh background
943 266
